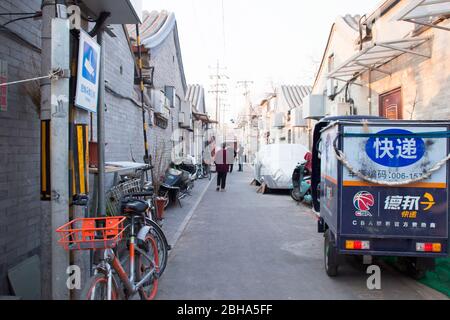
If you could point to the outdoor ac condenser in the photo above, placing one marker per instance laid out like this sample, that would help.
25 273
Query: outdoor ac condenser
297 118
331 87
158 101
340 109
314 107
181 117
278 120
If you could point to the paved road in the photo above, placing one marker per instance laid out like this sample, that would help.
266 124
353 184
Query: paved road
243 245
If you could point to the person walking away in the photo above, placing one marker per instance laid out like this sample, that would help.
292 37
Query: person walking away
232 161
241 158
222 167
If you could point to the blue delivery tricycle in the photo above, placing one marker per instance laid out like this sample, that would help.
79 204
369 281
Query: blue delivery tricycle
381 188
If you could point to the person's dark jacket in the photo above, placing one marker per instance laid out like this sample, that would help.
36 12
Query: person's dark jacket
221 161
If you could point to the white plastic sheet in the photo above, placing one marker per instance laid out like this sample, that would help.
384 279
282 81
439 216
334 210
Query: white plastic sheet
276 162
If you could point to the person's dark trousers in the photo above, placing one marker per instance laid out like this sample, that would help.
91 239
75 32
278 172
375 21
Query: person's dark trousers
231 168
221 179
241 169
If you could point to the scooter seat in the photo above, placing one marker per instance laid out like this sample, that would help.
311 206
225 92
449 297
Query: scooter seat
135 207
175 172
166 186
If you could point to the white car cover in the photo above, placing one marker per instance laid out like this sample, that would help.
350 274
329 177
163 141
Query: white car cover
275 163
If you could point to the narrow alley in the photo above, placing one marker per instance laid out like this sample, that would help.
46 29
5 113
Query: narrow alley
328 120
243 245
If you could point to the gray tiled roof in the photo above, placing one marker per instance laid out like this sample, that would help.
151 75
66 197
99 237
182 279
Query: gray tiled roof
196 95
294 95
152 22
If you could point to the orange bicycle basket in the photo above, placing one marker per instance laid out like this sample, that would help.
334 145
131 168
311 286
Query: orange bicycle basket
91 233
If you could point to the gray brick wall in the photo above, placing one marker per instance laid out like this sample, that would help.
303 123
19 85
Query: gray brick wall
21 210
22 215
123 119
167 73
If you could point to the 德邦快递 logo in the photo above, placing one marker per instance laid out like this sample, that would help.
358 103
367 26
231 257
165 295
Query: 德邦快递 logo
363 201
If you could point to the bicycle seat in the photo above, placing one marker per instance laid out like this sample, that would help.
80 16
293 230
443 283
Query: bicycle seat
135 207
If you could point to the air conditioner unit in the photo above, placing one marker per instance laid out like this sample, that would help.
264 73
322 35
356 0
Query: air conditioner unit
331 87
181 118
186 110
340 109
297 118
314 107
170 93
279 120
159 101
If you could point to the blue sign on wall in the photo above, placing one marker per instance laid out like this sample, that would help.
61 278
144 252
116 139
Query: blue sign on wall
88 73
89 63
395 152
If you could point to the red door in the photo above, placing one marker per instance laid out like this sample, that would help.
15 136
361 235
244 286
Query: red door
391 105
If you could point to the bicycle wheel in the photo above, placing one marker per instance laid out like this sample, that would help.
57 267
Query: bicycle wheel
162 244
144 265
98 288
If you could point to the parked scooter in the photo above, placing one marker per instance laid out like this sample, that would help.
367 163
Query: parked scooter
301 181
176 186
187 164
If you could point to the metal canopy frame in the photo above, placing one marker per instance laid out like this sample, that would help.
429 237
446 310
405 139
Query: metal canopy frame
375 57
426 13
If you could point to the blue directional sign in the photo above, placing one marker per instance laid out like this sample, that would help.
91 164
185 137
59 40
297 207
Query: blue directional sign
88 73
89 63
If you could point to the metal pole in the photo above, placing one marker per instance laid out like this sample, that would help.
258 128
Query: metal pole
59 153
54 107
142 88
48 13
101 211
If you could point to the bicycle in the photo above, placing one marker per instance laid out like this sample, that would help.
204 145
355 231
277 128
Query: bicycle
207 171
203 171
110 280
154 227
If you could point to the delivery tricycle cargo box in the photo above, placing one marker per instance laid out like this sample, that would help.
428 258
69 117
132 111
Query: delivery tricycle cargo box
381 186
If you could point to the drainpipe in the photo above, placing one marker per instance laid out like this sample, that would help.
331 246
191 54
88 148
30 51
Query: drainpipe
101 128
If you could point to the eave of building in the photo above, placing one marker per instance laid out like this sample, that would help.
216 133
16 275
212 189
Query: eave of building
196 95
381 10
350 21
324 56
155 30
294 95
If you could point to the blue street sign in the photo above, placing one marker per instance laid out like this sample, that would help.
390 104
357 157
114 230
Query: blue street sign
88 73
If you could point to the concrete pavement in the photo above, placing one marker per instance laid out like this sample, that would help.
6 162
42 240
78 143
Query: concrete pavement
243 245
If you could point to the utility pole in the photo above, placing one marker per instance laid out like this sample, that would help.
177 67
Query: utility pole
248 111
245 84
55 111
219 88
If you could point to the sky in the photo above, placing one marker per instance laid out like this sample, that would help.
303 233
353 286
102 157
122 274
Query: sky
268 42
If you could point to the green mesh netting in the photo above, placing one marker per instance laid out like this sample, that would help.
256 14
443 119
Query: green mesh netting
439 279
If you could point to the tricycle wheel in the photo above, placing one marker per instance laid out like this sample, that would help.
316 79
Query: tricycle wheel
295 194
330 254
416 268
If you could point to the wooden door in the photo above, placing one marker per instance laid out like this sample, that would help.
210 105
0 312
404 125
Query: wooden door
391 105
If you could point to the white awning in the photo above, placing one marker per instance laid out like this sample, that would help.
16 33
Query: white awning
375 56
425 12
